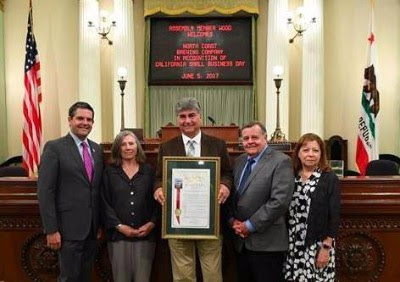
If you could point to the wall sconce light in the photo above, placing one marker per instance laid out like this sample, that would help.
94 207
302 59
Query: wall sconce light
300 23
278 135
104 27
122 82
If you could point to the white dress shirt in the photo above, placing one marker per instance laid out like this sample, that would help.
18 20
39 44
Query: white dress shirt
196 143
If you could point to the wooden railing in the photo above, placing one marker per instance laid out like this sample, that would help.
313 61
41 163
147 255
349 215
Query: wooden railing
367 246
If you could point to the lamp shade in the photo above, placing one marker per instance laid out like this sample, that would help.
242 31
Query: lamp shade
122 71
277 71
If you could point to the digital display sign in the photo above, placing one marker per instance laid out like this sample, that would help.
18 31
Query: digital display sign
200 51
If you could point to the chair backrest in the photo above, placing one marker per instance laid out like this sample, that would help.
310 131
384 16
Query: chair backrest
138 132
382 167
336 149
12 171
349 172
390 157
13 161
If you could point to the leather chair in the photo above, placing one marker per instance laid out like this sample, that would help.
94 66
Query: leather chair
390 157
349 172
382 167
13 161
12 171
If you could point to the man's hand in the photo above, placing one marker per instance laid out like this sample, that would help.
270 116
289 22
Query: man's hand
159 196
54 240
223 194
240 228
145 229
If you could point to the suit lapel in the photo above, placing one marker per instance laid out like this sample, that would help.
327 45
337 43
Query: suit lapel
180 147
204 147
96 159
241 162
77 156
261 163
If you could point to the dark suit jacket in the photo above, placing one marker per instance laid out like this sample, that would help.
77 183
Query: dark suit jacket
264 201
210 147
68 202
324 217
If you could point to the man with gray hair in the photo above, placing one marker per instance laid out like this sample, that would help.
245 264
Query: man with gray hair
264 185
192 142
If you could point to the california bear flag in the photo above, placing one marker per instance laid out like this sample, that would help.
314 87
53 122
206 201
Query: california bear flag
367 141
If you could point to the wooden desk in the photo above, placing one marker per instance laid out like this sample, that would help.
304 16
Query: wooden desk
367 245
369 237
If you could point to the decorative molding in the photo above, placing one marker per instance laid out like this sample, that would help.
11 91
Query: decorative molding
360 257
16 223
39 262
370 223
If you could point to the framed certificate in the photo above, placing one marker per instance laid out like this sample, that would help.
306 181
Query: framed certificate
190 186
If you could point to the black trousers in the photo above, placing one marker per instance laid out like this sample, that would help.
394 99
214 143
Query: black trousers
260 266
76 260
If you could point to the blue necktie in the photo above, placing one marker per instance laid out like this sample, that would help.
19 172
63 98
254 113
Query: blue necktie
246 174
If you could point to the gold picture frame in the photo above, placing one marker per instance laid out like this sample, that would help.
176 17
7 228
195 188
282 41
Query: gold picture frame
191 209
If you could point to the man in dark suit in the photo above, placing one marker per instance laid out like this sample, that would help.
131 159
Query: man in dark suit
192 142
264 185
70 175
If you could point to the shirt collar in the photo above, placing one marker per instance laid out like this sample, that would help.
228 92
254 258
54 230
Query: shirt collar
257 158
197 138
77 140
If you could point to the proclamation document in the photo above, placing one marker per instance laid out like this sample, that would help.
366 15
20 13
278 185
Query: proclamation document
190 198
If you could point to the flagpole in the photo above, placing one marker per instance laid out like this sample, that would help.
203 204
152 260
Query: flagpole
367 140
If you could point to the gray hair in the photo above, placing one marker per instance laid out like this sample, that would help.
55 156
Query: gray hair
116 148
253 123
187 103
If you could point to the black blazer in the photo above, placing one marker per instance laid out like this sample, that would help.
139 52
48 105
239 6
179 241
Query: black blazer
324 217
68 201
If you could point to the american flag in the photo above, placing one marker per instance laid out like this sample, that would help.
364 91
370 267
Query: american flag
32 130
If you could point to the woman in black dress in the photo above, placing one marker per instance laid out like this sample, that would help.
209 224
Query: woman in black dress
313 214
